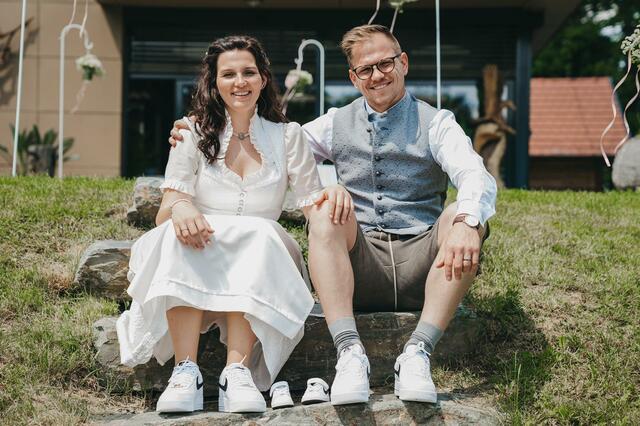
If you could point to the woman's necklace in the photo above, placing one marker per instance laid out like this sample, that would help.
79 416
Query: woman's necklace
241 135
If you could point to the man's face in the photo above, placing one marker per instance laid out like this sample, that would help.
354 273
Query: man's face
381 90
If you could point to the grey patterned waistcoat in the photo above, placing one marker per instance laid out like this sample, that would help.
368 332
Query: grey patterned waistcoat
388 168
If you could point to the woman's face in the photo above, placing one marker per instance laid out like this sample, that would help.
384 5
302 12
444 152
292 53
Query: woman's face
238 80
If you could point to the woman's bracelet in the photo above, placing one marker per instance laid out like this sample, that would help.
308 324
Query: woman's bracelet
179 200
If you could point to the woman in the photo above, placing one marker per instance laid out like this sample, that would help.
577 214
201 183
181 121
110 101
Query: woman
222 259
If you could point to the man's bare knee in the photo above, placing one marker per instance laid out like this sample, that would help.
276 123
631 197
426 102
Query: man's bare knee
324 231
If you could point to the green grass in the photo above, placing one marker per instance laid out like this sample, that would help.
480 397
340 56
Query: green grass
559 296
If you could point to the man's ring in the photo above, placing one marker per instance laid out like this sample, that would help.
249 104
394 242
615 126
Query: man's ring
466 260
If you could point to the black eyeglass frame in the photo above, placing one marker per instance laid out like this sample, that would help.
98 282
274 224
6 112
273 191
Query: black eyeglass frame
377 66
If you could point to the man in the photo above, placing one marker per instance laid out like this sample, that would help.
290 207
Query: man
405 252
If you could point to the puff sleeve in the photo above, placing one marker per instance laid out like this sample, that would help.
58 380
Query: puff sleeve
182 167
304 180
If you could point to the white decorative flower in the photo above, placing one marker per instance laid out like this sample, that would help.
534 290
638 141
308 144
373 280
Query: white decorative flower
631 44
398 4
90 66
298 80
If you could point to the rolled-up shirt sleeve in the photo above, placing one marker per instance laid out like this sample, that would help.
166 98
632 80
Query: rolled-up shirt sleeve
301 168
184 158
452 149
319 133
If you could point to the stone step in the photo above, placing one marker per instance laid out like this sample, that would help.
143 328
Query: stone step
383 335
382 409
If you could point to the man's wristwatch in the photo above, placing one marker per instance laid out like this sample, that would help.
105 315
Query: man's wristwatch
468 220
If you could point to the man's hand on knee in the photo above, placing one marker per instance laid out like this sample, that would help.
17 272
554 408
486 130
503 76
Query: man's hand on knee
460 252
340 203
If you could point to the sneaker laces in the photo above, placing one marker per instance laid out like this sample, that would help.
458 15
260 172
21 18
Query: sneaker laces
348 356
240 375
183 374
421 356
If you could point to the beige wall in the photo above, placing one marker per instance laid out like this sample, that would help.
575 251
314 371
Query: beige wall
96 126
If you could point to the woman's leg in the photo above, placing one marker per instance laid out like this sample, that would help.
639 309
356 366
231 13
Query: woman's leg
184 327
240 337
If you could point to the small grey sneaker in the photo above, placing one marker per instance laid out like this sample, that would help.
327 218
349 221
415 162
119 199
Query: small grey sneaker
317 391
280 396
184 391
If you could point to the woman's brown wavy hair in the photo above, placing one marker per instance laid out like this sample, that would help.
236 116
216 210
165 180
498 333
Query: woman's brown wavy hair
207 105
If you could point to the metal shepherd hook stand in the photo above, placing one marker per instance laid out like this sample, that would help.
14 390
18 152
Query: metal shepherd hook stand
298 62
88 45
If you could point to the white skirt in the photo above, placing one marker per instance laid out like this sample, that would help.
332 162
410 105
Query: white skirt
252 266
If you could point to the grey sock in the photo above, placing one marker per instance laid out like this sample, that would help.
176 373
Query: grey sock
344 333
427 333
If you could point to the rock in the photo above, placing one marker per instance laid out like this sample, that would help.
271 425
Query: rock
103 269
382 409
146 201
383 334
625 171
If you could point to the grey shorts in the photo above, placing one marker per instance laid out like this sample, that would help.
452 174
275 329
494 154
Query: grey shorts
373 257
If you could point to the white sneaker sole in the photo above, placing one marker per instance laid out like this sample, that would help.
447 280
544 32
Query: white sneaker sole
186 406
415 395
357 397
227 406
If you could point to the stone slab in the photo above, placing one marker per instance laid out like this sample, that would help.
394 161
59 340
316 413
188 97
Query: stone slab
382 409
383 335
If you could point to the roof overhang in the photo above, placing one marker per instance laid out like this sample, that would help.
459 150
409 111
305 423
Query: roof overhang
554 12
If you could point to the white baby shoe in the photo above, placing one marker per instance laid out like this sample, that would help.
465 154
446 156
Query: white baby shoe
280 396
317 392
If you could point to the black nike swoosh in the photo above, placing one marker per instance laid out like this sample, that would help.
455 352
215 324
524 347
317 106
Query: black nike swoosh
397 371
224 387
198 383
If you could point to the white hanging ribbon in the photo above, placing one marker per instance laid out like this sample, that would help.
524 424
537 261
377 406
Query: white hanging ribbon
375 13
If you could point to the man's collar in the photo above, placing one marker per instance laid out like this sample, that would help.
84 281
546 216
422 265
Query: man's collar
370 110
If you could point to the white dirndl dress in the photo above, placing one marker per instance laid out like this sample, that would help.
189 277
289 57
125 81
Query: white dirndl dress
252 266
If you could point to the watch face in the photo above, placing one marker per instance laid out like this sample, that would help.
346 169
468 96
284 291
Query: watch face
471 221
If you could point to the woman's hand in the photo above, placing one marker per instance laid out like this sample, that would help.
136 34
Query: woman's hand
341 204
191 227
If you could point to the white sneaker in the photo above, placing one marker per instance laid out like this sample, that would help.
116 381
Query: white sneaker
317 392
184 391
413 375
280 396
351 384
238 393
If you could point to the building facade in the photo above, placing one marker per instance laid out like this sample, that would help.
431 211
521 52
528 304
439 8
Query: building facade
151 51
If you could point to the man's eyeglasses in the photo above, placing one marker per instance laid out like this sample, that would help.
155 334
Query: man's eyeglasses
385 66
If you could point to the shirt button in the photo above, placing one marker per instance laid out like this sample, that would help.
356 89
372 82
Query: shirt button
378 173
383 225
379 186
242 195
377 158
379 197
380 211
239 209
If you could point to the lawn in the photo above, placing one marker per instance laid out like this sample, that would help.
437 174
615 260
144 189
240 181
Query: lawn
559 295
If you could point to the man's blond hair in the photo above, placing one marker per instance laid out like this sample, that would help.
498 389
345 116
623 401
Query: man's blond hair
364 32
